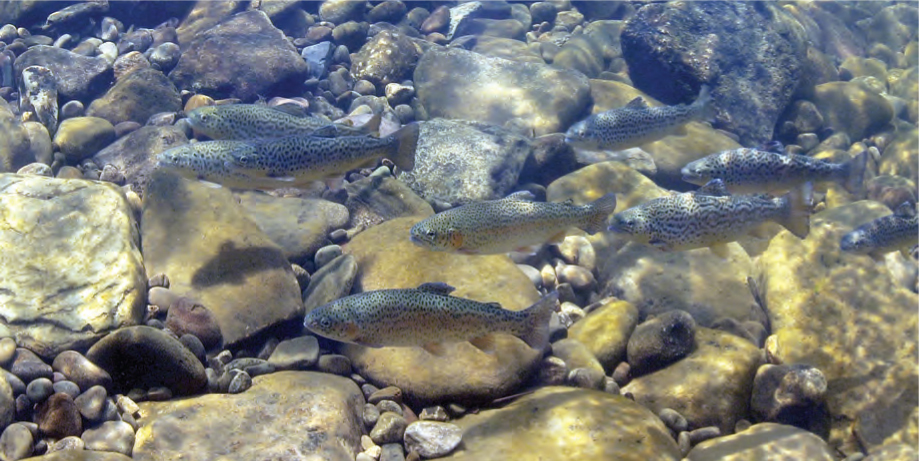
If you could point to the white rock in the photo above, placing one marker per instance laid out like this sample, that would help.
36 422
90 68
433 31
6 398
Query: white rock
432 439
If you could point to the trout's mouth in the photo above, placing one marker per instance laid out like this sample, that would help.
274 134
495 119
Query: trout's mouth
691 176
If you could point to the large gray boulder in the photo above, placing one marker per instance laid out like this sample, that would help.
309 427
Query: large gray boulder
750 52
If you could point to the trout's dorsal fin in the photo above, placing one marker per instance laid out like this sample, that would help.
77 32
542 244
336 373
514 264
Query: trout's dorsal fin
715 188
439 288
290 109
521 196
637 103
905 210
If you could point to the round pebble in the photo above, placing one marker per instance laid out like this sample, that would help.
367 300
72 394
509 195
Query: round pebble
16 442
580 278
39 389
389 405
675 421
91 403
16 384
387 393
58 416
72 109
389 428
432 439
660 341
159 394
80 370
584 378
370 415
326 254
704 433
611 387
240 383
335 364
435 413
72 442
552 371
195 346
186 316
7 351
36 169
29 366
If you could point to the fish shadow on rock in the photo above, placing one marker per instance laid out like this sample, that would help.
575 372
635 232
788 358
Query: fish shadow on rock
232 265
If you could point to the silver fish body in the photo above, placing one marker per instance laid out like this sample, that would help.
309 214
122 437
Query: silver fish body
423 316
897 231
251 121
512 223
710 217
748 170
636 124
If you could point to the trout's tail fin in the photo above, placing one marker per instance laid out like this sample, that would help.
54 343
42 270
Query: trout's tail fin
536 324
853 176
407 142
601 208
703 105
798 204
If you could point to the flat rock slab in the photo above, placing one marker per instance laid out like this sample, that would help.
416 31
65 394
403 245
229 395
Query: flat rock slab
210 249
284 415
764 441
70 262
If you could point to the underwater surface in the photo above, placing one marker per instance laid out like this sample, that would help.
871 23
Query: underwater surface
402 230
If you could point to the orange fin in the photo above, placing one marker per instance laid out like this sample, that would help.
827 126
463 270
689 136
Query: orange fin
437 349
485 344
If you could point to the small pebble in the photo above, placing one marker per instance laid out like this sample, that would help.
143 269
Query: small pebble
622 373
335 364
584 378
326 254
387 393
159 394
194 345
137 395
68 387
432 439
68 443
388 429
40 389
684 442
114 436
29 366
610 386
71 109
390 406
126 405
742 425
573 311
367 442
337 236
704 433
240 383
392 452
58 416
368 389
675 421
302 276
16 384
374 452
456 410
435 413
16 442
365 457
298 353
370 415
91 403
552 371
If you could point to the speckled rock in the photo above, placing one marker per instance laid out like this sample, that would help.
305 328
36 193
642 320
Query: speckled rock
848 316
462 162
134 155
754 54
330 282
7 404
764 441
304 412
214 253
255 59
671 153
459 84
299 226
136 97
709 387
901 156
659 341
852 108
606 330
506 48
82 137
601 426
421 375
578 356
38 95
91 226
381 197
76 76
146 357
388 57
432 439
58 417
791 394
80 455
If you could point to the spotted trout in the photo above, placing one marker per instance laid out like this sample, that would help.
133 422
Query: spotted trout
754 170
297 160
897 231
636 123
711 217
209 161
512 223
250 121
427 316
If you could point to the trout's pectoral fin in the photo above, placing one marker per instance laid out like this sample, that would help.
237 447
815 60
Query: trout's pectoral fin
659 244
437 349
212 185
528 249
334 183
721 249
485 344
905 252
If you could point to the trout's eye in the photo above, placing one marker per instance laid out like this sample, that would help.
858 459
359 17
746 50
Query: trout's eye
325 323
431 234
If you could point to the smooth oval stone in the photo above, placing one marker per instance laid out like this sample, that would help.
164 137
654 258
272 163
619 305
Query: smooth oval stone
39 389
29 366
432 439
81 371
16 442
58 417
68 387
91 403
116 436
186 316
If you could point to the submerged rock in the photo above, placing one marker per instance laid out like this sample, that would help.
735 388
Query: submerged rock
764 441
462 162
212 252
254 58
76 76
459 84
303 412
605 332
85 229
388 57
753 51
134 155
136 97
595 425
381 197
387 259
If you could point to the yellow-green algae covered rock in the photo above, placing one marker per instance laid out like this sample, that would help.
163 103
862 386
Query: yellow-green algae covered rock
386 258
80 455
709 387
764 441
70 262
606 330
846 315
671 153
81 137
210 249
284 415
563 423
901 156
852 108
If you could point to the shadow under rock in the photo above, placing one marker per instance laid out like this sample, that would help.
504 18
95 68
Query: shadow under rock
233 265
